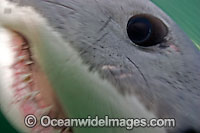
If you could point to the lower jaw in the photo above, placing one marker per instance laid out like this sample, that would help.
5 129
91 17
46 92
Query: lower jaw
24 87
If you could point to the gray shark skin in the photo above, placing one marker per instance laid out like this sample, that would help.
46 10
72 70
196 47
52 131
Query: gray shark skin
164 79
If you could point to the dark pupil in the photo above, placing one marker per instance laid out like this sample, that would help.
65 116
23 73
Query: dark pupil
139 29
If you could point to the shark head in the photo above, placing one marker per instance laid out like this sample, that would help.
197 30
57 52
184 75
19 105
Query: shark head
123 59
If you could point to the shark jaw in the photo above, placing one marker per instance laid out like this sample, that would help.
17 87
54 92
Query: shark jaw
79 92
27 87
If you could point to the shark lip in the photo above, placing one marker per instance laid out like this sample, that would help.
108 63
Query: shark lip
31 90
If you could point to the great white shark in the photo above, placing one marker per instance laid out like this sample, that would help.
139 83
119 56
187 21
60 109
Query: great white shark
88 59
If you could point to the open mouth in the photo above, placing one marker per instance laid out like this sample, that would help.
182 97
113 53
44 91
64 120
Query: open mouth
29 87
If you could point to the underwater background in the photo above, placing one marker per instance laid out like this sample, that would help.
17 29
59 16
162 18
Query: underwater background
185 13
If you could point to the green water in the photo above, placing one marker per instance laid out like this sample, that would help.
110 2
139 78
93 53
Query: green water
186 13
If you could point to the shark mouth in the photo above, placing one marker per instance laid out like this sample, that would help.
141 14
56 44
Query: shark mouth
28 88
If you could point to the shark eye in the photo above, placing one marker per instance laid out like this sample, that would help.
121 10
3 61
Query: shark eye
146 30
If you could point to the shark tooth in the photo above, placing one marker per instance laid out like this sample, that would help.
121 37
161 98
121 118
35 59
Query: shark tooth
20 58
22 85
19 70
26 77
24 47
28 96
65 130
31 95
44 111
29 62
